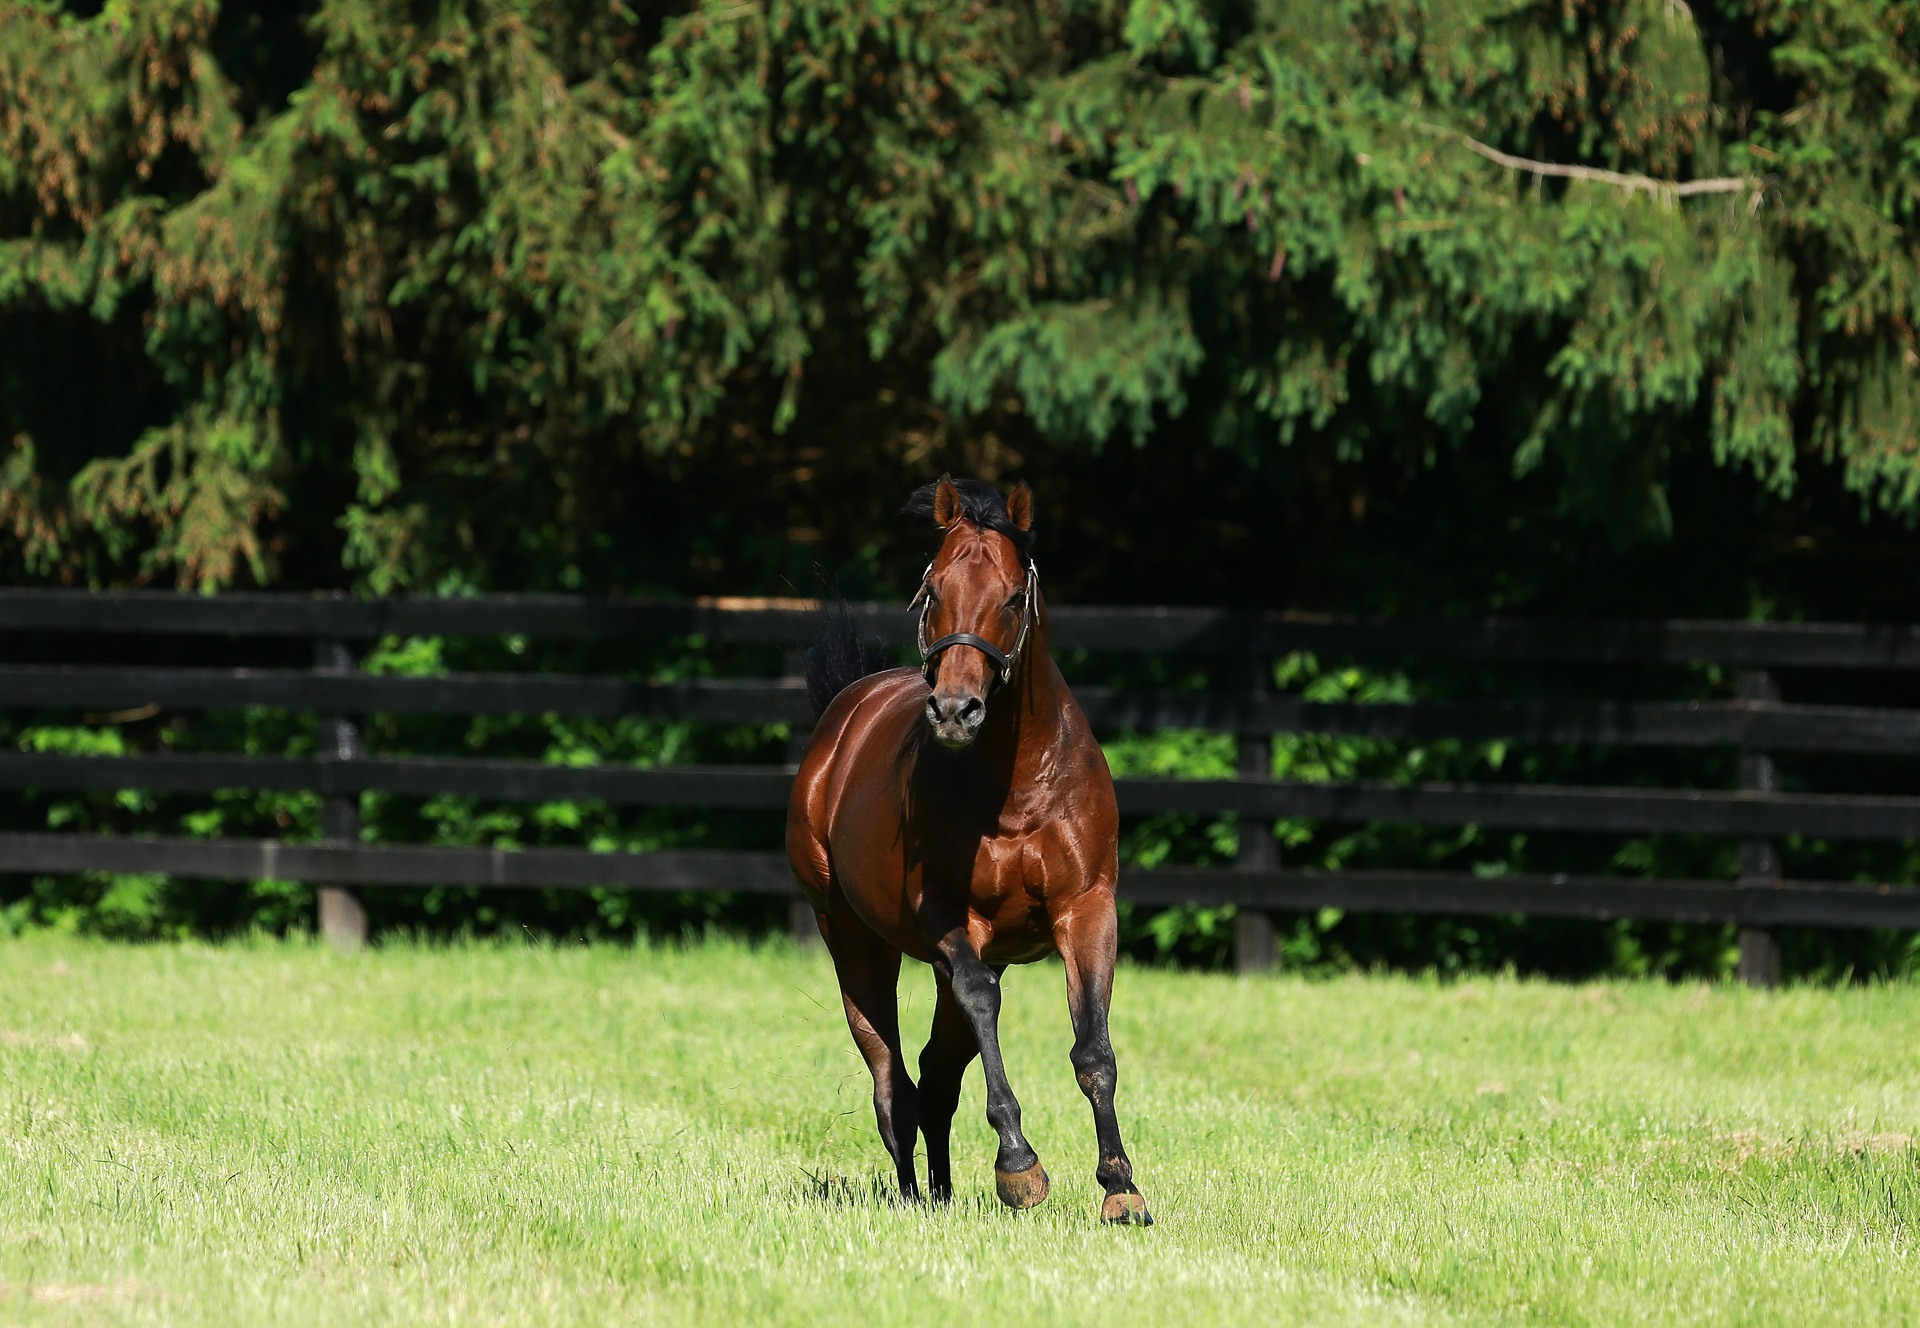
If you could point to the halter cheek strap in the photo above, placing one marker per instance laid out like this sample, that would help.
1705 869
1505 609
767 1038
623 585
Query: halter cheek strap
1004 662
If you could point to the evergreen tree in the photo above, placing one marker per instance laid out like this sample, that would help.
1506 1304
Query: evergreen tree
373 294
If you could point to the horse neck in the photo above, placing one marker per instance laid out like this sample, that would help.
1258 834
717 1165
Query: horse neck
1027 720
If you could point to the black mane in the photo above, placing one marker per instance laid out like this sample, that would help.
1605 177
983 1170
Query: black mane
981 504
838 658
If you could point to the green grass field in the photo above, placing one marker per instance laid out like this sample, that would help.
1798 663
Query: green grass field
269 1133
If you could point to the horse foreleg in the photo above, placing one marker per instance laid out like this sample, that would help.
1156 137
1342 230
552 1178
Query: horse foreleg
1088 945
869 972
943 1065
1018 1177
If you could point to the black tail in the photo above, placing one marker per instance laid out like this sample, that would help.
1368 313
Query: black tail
838 658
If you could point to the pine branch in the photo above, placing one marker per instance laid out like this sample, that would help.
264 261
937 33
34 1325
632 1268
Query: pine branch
1665 189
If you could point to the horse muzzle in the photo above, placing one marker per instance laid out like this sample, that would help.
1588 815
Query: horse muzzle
955 718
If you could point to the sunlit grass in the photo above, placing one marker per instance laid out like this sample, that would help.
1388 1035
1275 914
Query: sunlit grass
274 1134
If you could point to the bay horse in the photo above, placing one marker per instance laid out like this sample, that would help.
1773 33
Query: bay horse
961 812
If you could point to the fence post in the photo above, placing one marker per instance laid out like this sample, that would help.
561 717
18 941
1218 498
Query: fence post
801 923
343 920
1252 928
1759 861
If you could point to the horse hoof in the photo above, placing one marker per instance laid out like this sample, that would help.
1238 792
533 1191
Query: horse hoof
1021 1189
1128 1208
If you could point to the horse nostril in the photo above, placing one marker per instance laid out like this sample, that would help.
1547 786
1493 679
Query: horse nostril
967 711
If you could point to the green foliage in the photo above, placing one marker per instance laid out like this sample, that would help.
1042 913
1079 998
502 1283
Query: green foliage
155 907
148 906
1329 940
373 279
538 295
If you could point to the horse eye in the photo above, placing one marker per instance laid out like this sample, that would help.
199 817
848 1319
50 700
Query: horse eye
1015 599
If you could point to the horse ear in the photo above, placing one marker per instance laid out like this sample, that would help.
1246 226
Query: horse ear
1020 506
946 502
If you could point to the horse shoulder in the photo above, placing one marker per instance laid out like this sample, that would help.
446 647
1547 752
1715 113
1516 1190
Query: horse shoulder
853 765
1083 780
839 741
1075 850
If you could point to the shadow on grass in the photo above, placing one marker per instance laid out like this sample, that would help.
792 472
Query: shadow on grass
878 1190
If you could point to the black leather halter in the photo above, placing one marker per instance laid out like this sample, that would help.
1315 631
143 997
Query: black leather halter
1003 662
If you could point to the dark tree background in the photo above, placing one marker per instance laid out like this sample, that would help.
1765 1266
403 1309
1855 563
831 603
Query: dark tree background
1382 305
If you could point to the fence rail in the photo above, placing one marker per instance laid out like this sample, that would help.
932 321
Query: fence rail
1821 728
1138 630
1802 903
1756 724
1507 806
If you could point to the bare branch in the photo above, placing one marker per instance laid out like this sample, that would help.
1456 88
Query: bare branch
1665 189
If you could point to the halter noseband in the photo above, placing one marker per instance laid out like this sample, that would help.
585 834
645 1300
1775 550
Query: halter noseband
1003 662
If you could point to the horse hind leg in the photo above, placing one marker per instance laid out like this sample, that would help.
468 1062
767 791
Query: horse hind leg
869 972
943 1065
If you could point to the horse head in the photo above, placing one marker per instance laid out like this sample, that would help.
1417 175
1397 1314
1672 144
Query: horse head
977 602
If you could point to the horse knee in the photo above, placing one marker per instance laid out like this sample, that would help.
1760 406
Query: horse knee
977 988
1095 1068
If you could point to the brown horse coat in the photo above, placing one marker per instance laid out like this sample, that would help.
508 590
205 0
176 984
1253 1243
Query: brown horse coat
970 823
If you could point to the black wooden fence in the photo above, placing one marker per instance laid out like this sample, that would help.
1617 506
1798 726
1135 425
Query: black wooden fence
1756 723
